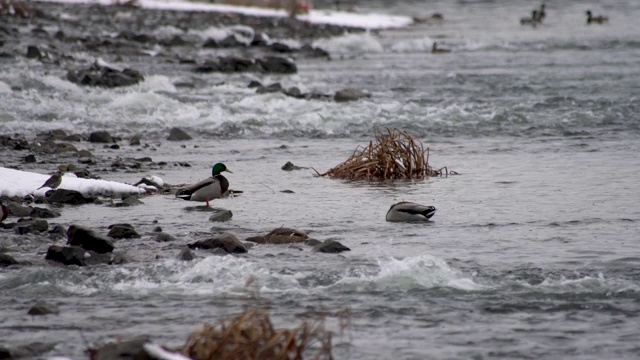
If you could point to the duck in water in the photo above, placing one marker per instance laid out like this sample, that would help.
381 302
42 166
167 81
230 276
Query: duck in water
595 19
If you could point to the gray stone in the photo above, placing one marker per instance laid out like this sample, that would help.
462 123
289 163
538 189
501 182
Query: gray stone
330 247
350 95
88 240
187 255
122 231
75 255
221 216
226 241
30 226
177 134
43 308
281 236
7 260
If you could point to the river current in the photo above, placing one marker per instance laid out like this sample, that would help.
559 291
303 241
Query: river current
533 252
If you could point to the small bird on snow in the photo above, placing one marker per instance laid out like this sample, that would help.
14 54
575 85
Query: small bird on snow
54 181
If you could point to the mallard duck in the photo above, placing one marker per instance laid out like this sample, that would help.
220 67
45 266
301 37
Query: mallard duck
541 14
595 19
406 211
54 181
208 189
435 50
4 211
533 20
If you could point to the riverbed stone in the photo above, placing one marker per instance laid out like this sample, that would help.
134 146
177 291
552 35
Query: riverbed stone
281 235
69 197
177 134
330 247
226 241
43 308
7 260
88 240
122 231
75 255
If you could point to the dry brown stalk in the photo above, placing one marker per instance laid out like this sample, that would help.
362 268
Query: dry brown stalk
251 336
395 154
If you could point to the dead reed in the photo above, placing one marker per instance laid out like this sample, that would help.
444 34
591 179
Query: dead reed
251 336
394 155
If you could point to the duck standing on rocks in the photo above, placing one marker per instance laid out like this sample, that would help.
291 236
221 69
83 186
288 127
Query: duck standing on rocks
595 19
54 181
208 189
406 211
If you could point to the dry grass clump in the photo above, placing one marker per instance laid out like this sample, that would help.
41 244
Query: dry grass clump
16 8
395 154
251 336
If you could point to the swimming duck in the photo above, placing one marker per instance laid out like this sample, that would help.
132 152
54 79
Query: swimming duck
54 181
595 19
208 189
435 50
541 14
406 211
533 20
4 211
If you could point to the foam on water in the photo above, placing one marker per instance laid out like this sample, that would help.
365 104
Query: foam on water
242 34
5 88
350 45
412 45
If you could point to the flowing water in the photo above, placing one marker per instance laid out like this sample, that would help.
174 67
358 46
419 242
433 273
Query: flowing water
534 249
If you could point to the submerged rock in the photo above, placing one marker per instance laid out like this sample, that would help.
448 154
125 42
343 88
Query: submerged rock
122 231
290 167
281 236
70 197
75 255
350 95
29 226
221 216
105 76
123 350
330 247
43 308
186 255
101 137
7 260
227 241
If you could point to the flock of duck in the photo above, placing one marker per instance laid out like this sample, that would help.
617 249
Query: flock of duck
217 186
538 15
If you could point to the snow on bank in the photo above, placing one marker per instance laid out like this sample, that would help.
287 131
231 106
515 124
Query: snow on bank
330 17
20 183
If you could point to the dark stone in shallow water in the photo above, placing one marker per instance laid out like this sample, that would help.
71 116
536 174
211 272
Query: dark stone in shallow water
100 137
105 76
186 255
7 260
29 226
88 240
43 213
122 231
75 255
290 167
330 247
350 95
221 216
226 241
43 308
281 236
177 134
70 197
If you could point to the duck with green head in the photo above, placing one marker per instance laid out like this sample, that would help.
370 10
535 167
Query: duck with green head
208 189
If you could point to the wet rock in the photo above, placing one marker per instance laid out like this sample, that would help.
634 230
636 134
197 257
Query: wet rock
294 92
186 255
287 191
70 197
123 350
275 87
350 95
17 209
101 137
7 260
105 76
141 38
177 134
330 247
134 140
312 242
56 134
255 84
314 52
33 52
281 47
163 237
30 159
120 258
30 226
281 236
74 138
122 231
176 40
56 232
278 65
226 241
290 167
43 213
75 255
128 201
43 308
221 216
88 240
